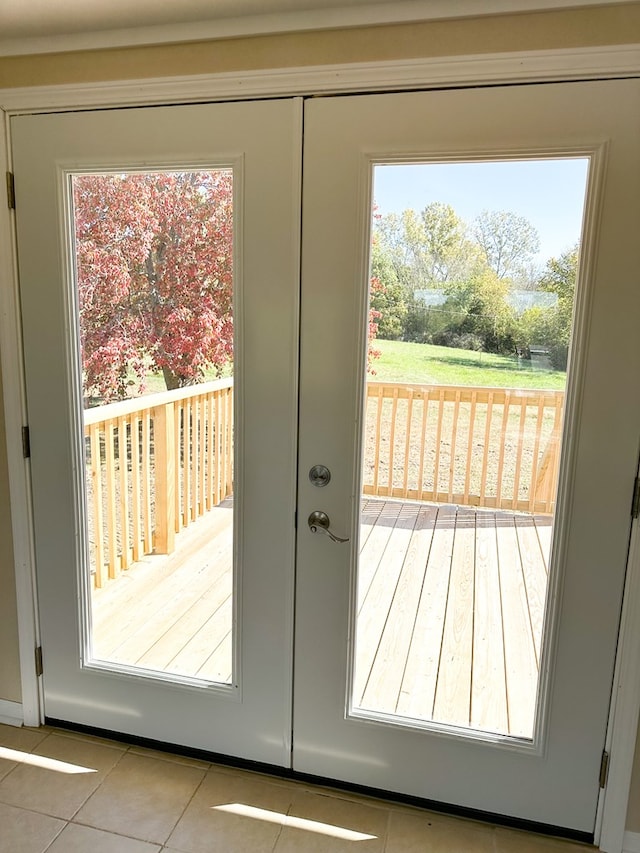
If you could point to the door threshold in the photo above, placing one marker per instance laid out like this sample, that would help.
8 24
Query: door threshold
327 782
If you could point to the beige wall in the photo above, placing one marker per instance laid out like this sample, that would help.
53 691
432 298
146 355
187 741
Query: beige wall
9 664
593 26
532 31
633 813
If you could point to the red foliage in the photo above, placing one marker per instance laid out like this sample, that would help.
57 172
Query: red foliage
154 254
375 286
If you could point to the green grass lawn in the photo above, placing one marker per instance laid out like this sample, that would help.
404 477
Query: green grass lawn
423 363
154 382
426 364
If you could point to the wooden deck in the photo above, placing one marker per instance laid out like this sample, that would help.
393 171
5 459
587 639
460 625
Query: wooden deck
173 613
451 603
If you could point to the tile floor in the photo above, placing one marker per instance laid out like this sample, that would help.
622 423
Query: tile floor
62 792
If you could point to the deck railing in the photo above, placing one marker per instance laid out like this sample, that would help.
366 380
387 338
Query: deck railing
157 463
489 447
154 465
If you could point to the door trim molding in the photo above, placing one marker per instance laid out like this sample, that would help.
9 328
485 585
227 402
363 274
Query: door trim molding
483 69
18 470
624 712
606 62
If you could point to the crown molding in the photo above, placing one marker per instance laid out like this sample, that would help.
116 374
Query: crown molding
530 67
330 17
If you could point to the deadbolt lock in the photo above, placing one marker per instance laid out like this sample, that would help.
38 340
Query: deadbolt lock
319 475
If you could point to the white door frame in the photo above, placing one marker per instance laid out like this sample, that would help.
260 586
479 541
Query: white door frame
493 69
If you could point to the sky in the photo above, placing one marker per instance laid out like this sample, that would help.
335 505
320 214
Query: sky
549 193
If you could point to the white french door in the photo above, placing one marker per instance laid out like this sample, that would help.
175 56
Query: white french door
72 171
248 703
551 773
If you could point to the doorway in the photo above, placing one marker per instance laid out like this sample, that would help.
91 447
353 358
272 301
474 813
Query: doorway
343 726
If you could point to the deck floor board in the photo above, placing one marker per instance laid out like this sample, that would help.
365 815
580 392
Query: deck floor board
418 691
519 647
489 687
384 679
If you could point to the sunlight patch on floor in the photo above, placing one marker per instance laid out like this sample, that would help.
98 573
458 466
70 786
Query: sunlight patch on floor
43 761
244 810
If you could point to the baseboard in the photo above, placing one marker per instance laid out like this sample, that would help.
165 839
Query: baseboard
11 713
631 843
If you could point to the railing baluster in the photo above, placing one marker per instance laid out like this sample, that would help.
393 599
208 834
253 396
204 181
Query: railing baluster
210 449
407 443
218 446
485 454
193 458
178 414
163 443
423 434
124 492
536 451
96 482
503 435
112 524
146 481
376 467
228 456
472 419
186 463
557 428
519 452
454 438
202 506
195 497
392 441
135 485
436 463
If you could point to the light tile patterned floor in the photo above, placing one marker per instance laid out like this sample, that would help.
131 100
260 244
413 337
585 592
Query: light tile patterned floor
62 792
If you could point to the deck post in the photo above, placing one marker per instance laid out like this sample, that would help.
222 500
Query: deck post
164 466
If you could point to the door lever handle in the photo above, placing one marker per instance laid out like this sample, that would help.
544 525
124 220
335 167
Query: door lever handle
319 522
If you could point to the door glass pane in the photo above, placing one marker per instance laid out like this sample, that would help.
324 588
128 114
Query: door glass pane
154 277
473 272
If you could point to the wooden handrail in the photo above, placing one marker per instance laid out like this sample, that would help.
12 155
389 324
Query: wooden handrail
139 404
488 447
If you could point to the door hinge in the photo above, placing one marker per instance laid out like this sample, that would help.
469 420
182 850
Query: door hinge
11 191
26 442
604 768
635 503
39 661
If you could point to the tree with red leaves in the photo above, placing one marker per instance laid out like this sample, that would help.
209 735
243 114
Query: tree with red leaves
154 255
375 286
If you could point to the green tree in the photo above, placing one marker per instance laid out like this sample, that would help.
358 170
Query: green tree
389 298
435 250
559 277
429 248
451 255
389 239
414 252
481 318
508 242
